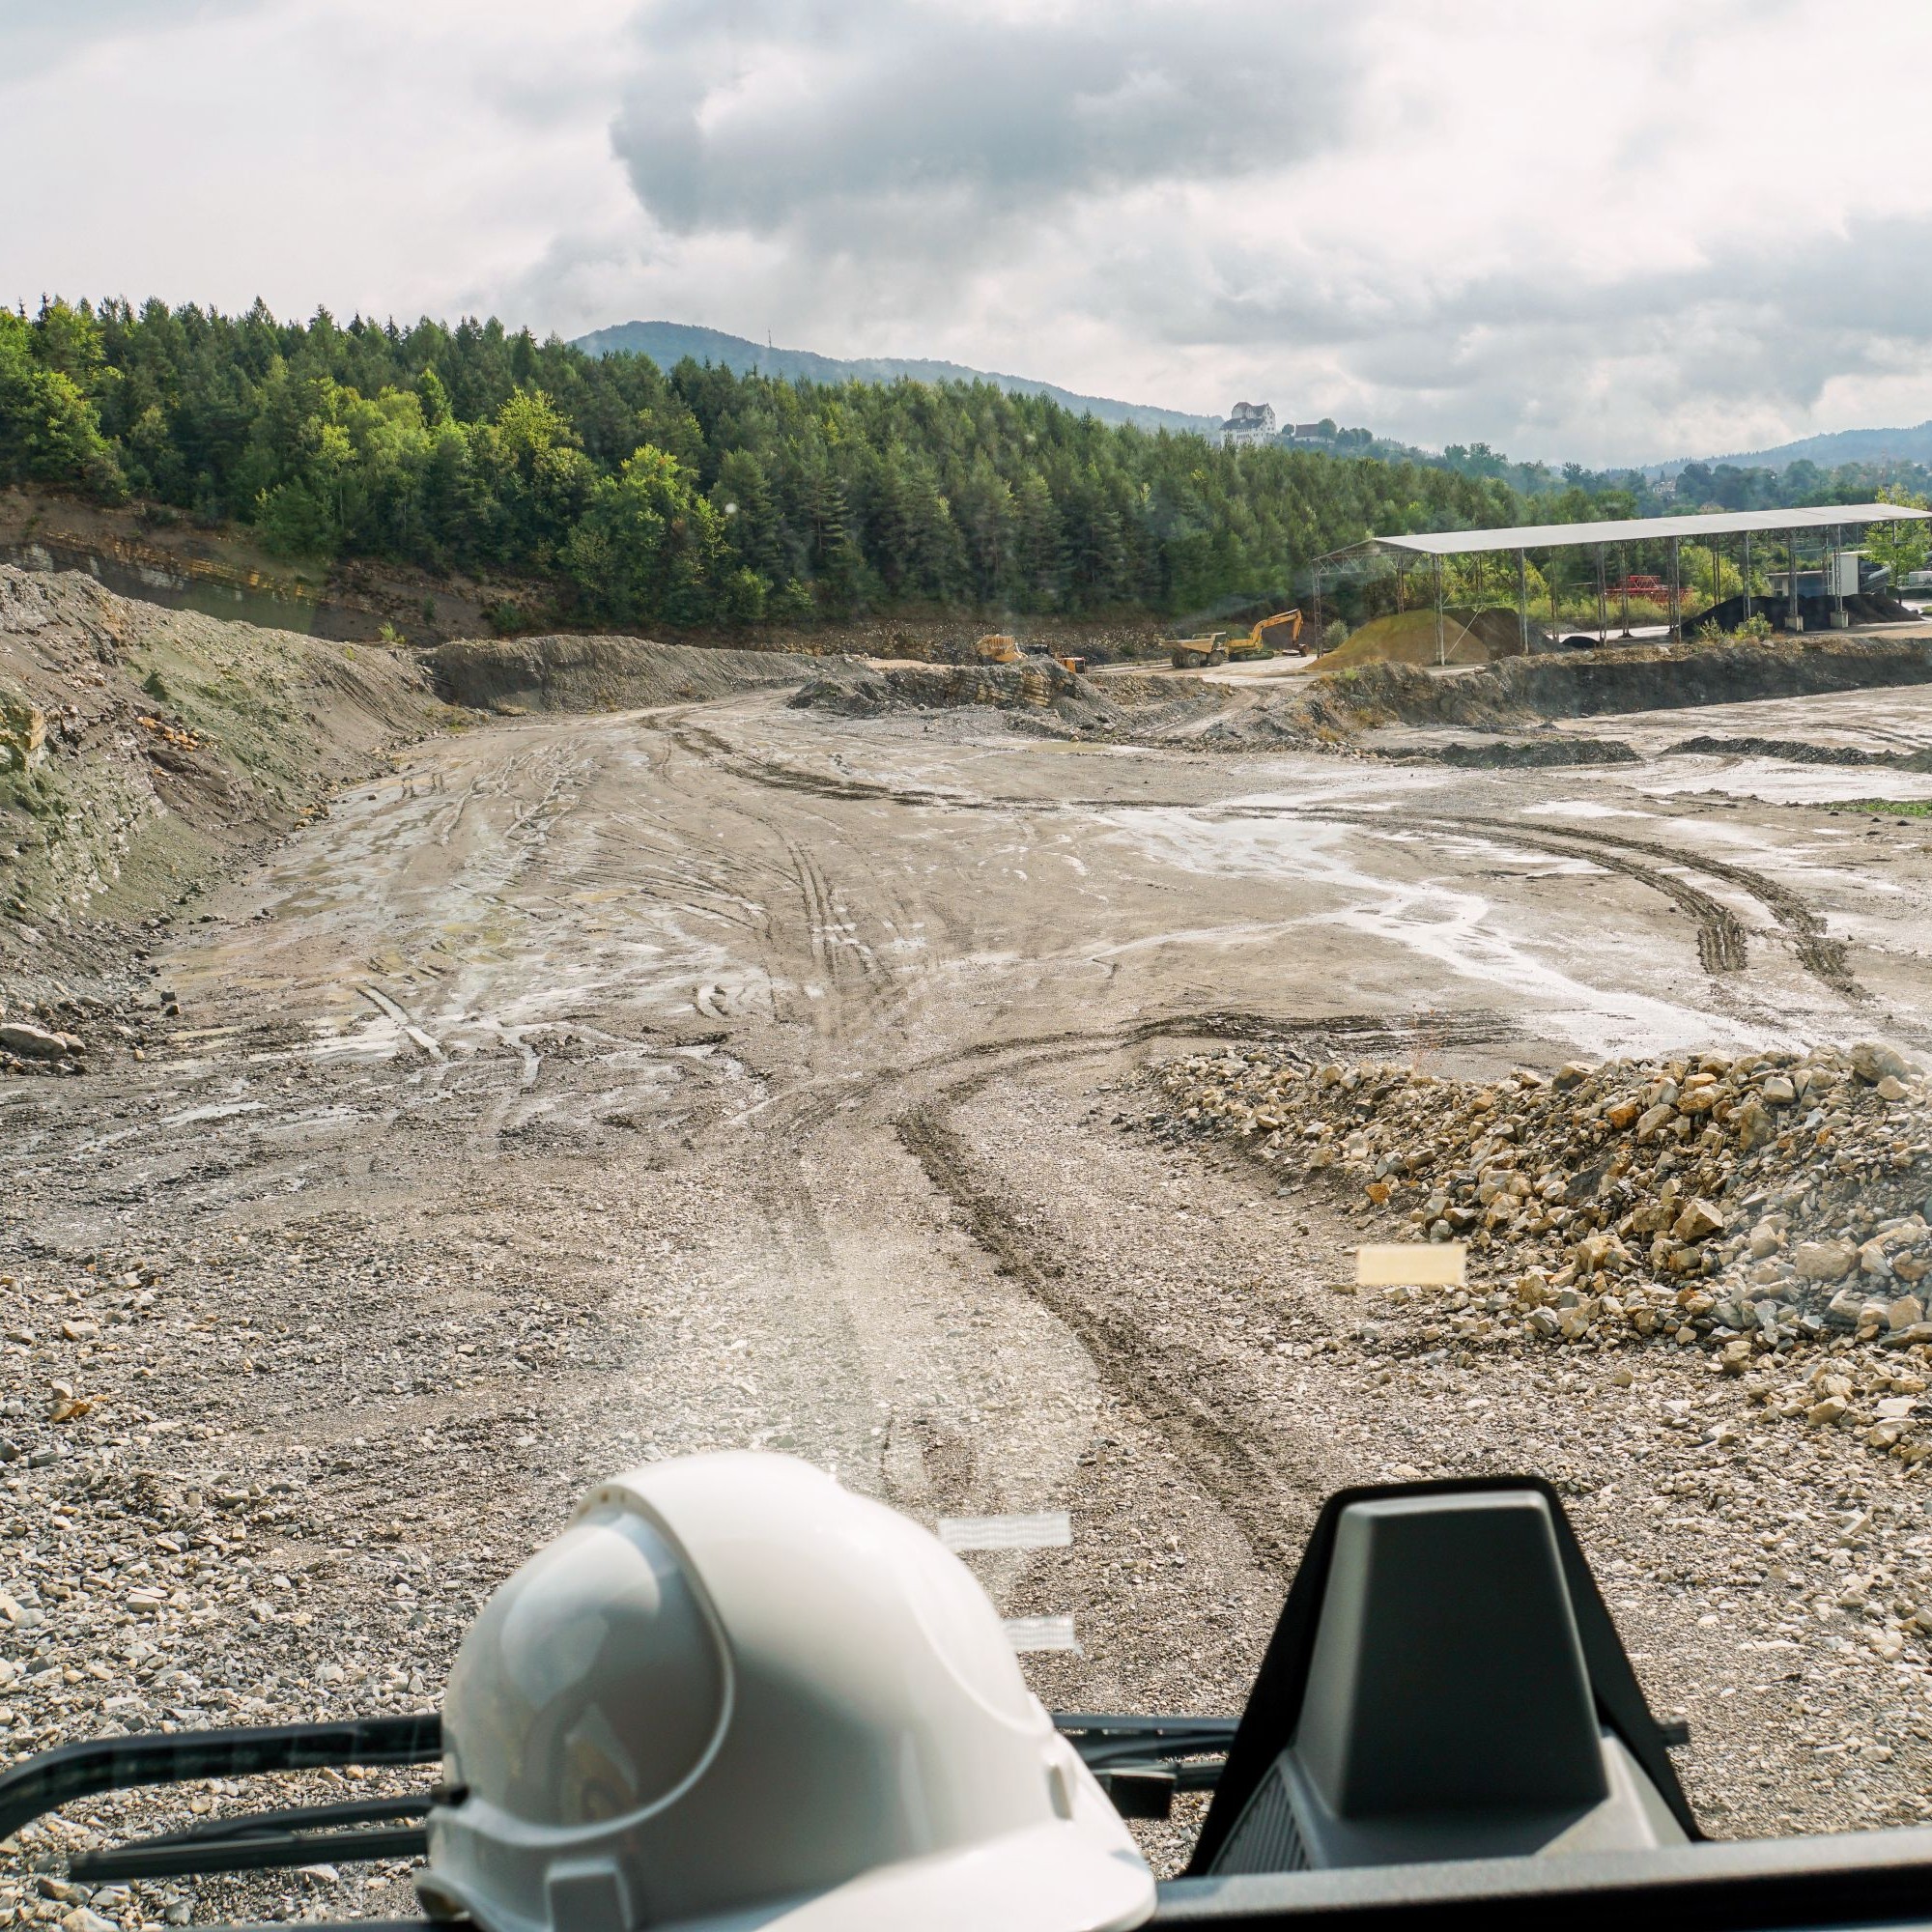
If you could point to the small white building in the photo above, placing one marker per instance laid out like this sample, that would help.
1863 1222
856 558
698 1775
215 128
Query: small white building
1251 423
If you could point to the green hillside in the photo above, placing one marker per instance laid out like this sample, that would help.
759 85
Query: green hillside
629 494
668 343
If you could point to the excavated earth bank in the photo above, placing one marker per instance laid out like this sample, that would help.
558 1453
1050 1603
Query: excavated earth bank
567 672
856 689
1585 684
143 751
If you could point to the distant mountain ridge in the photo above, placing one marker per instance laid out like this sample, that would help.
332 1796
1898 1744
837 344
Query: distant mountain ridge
667 343
1828 451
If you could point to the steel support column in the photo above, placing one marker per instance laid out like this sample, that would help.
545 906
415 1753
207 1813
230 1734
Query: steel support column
1603 605
1624 590
1747 578
1676 590
1523 601
1441 654
1795 621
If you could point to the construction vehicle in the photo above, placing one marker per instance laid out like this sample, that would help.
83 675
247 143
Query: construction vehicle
996 649
1191 653
732 1695
1257 643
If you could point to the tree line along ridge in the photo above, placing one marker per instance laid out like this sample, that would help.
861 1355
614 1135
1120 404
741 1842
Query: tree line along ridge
693 495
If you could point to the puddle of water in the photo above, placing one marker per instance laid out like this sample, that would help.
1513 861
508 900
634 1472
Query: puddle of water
1457 929
1776 782
1581 808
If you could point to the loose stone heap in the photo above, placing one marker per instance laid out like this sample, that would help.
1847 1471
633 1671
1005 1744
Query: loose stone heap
1746 1206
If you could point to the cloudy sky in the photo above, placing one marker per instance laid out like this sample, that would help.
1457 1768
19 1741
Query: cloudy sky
1607 232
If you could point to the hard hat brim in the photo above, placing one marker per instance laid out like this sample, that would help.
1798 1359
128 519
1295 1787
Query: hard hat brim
1049 1878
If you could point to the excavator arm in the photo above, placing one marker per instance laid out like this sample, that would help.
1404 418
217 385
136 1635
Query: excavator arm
1266 624
1255 643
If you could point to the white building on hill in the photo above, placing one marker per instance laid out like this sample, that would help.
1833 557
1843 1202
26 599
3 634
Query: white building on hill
1251 423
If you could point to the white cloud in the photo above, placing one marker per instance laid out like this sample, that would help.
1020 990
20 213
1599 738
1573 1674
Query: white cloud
348 153
789 117
1608 232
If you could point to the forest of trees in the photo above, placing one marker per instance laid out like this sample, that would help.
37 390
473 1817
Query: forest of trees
695 496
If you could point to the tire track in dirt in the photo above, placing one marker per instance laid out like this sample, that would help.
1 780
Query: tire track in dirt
1168 1385
1721 945
802 1107
1721 942
1165 1385
1826 958
844 960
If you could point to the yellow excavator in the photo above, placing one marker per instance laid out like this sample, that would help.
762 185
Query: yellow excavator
1257 645
1192 653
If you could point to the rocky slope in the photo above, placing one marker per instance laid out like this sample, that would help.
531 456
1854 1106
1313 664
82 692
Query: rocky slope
1760 1208
142 749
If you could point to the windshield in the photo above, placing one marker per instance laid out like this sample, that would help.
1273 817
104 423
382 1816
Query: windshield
1052 755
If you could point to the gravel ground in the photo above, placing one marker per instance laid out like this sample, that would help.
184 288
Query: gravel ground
585 1091
1767 1574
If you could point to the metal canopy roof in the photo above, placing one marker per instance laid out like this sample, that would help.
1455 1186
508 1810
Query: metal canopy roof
1637 529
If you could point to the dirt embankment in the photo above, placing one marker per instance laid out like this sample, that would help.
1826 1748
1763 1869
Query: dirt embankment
1519 692
164 557
1528 754
572 674
857 690
1797 752
1335 706
141 749
1591 683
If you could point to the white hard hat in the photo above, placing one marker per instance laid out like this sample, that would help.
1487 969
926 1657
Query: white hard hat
734 1694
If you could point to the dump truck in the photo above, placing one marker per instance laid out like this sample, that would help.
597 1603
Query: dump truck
1191 653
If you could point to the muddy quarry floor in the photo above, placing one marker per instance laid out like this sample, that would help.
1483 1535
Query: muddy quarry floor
574 1089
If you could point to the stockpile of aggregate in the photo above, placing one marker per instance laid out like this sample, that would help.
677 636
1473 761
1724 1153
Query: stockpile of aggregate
1410 637
856 689
1760 1208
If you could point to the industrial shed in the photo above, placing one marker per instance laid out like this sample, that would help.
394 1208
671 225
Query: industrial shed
1816 530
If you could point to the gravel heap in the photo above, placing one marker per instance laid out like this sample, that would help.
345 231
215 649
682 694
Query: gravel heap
1747 1206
